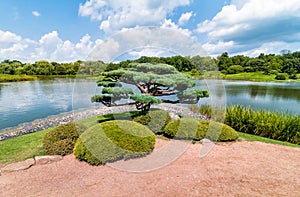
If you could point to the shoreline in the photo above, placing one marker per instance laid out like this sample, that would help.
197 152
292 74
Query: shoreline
63 118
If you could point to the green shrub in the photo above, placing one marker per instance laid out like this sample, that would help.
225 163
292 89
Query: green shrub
234 69
61 140
114 140
194 129
155 120
281 76
120 116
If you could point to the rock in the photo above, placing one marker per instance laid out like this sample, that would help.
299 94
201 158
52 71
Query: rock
22 165
174 116
41 160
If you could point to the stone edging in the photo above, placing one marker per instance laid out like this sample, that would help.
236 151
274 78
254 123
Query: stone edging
23 165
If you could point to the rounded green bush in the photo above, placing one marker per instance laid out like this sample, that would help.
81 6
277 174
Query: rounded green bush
114 140
61 140
194 129
155 120
281 76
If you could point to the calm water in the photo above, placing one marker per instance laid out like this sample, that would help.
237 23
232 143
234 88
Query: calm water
26 101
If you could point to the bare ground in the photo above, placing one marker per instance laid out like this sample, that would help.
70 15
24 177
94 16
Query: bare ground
231 169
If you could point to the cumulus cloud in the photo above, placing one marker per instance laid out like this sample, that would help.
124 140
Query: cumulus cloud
254 19
7 37
185 17
115 15
36 13
49 47
143 38
253 23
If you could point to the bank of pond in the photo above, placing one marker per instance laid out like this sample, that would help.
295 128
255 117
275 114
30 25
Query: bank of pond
132 134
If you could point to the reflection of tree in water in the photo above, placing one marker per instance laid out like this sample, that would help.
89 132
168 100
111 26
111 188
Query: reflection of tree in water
257 91
275 92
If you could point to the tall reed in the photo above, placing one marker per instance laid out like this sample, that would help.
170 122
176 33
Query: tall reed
273 125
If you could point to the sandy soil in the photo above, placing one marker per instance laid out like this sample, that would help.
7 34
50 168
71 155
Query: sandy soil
231 169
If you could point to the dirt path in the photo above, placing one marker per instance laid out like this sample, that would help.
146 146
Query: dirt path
232 169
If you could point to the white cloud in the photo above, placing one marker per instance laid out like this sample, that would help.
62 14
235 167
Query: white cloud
164 39
115 15
168 23
8 37
49 47
185 17
36 13
218 48
248 16
253 23
271 48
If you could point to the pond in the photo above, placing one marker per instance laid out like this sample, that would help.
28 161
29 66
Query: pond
22 102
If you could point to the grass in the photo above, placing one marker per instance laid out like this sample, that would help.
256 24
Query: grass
253 138
15 78
252 76
22 147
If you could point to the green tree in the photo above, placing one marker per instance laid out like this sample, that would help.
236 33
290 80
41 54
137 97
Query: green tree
152 81
224 61
43 67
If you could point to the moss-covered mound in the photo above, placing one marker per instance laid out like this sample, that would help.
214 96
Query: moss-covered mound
155 120
61 140
194 129
114 140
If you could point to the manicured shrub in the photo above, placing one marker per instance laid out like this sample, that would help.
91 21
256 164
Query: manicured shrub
114 140
194 129
155 120
61 140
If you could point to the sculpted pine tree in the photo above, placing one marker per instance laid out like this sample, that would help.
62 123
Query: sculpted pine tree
153 81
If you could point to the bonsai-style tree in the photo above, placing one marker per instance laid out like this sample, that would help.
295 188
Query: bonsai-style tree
152 81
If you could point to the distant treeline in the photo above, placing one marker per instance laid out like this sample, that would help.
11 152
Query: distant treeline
288 63
44 67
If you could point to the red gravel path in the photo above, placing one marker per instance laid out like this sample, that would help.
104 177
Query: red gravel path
231 169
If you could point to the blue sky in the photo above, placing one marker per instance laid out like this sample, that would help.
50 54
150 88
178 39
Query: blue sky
68 30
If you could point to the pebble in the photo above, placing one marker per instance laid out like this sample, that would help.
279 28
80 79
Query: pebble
52 121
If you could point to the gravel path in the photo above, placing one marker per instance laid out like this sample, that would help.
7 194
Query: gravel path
230 169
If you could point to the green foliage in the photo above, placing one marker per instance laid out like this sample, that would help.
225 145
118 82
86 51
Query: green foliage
192 96
234 69
100 97
145 99
14 78
194 129
155 120
281 76
120 116
114 140
116 91
61 140
264 123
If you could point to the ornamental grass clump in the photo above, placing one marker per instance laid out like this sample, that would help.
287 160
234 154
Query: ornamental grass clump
114 140
278 126
155 120
61 140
